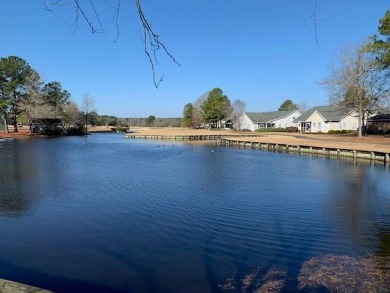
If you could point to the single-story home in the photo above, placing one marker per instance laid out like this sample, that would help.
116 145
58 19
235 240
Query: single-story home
325 118
277 119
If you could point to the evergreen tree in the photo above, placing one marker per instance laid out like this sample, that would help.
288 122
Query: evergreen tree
56 97
216 107
288 105
187 115
380 45
150 120
14 73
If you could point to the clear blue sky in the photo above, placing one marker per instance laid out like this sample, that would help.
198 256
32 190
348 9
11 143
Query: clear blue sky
261 52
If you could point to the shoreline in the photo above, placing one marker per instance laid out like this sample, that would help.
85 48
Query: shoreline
375 143
339 146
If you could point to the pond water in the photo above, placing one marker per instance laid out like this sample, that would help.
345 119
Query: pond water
107 214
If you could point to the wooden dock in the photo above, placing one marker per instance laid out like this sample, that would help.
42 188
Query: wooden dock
242 141
331 152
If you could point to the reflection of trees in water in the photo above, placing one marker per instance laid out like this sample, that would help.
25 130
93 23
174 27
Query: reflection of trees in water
15 173
12 202
360 209
351 196
384 242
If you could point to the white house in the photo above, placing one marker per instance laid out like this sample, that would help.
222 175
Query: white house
277 119
325 118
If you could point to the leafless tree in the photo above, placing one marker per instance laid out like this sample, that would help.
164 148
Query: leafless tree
197 120
72 115
32 103
356 82
238 109
87 106
302 106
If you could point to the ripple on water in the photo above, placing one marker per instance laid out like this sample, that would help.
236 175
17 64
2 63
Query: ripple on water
148 213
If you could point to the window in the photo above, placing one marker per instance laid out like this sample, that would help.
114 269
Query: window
354 126
319 125
314 125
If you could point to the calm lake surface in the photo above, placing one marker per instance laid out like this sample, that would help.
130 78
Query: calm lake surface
108 214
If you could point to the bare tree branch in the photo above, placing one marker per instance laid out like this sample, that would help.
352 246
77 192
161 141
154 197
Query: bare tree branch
89 13
96 14
116 17
79 9
315 20
152 43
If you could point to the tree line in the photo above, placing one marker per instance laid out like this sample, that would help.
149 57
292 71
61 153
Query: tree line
94 119
24 97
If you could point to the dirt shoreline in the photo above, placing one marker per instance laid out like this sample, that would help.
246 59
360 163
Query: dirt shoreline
370 143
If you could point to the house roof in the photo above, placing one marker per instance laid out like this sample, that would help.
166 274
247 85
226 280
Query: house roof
380 118
265 117
330 113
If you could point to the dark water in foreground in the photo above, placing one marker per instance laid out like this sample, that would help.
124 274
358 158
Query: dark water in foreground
108 214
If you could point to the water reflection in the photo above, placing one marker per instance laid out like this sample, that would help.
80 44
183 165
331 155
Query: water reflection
361 209
17 172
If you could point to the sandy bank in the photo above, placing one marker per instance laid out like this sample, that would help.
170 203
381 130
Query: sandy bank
369 143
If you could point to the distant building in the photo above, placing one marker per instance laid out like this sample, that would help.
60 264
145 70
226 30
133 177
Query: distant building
325 118
278 119
379 123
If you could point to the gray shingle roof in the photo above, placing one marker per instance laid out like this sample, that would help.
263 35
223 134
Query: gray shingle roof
380 118
330 113
265 117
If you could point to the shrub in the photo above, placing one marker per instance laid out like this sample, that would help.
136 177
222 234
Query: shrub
271 130
120 129
344 131
52 130
75 130
292 129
